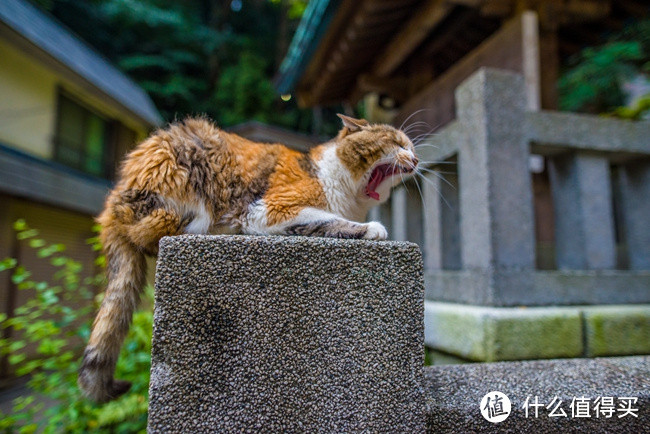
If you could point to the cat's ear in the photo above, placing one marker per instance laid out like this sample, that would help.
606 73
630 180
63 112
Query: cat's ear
353 125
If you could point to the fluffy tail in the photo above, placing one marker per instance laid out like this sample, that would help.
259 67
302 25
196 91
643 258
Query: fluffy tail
126 269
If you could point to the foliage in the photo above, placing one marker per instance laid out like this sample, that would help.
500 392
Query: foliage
54 323
594 79
216 57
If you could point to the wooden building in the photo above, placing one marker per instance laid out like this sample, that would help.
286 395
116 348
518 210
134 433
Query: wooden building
67 117
415 50
404 59
537 208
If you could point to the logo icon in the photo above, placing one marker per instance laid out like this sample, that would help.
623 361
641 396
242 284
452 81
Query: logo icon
495 407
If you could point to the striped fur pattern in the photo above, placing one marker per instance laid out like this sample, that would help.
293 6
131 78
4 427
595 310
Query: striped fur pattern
195 178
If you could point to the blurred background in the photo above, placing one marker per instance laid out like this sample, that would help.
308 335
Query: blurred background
565 273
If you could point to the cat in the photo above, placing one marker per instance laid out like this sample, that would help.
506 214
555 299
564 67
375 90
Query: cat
195 178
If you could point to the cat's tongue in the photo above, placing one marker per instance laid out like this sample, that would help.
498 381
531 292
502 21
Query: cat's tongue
375 179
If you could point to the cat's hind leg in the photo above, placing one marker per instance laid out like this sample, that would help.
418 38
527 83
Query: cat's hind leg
125 242
312 222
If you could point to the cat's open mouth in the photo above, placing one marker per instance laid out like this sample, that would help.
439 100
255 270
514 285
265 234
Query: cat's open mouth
379 174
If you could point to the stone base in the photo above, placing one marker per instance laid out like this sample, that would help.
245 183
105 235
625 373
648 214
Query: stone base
538 288
287 334
490 334
454 395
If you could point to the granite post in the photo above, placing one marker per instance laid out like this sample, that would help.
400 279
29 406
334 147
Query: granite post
398 207
432 219
636 211
584 222
496 205
491 303
287 334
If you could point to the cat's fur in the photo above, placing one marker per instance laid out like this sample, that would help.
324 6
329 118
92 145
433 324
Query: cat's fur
194 178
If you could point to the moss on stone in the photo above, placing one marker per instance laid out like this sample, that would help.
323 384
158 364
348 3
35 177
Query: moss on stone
617 330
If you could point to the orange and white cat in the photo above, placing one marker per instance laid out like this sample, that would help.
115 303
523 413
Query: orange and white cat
195 178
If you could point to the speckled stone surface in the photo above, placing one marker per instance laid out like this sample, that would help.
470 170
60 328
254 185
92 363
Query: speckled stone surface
287 334
454 393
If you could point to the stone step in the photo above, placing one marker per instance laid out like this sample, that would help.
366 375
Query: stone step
454 395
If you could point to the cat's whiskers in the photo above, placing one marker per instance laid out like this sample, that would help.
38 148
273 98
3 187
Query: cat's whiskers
436 162
435 187
416 126
423 136
411 115
437 171
415 123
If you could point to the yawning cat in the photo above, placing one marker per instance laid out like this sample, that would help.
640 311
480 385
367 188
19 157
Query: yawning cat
195 178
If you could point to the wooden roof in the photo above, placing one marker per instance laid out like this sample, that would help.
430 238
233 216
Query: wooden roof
397 46
33 30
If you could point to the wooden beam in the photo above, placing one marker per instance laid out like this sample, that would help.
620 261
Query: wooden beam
444 39
504 49
585 10
468 3
549 54
497 8
413 33
636 9
530 60
396 87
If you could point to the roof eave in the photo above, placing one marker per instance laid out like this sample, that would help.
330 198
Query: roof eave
313 26
16 17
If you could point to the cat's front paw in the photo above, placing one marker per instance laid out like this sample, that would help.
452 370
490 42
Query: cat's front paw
375 231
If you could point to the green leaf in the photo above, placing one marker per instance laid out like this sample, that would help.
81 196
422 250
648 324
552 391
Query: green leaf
7 264
14 359
36 243
26 234
20 225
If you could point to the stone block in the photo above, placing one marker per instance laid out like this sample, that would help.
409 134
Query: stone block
635 185
584 218
533 333
617 330
566 287
490 334
287 334
454 393
455 329
496 212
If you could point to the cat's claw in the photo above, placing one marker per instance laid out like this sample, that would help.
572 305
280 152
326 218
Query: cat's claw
375 231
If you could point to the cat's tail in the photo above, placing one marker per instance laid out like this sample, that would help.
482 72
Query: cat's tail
126 271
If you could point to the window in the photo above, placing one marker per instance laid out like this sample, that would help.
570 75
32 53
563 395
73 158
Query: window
81 138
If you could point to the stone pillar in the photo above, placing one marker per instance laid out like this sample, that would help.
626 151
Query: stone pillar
584 217
414 212
497 231
373 214
432 216
635 188
441 223
287 334
399 203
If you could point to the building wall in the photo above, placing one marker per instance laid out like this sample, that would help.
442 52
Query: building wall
28 104
29 92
